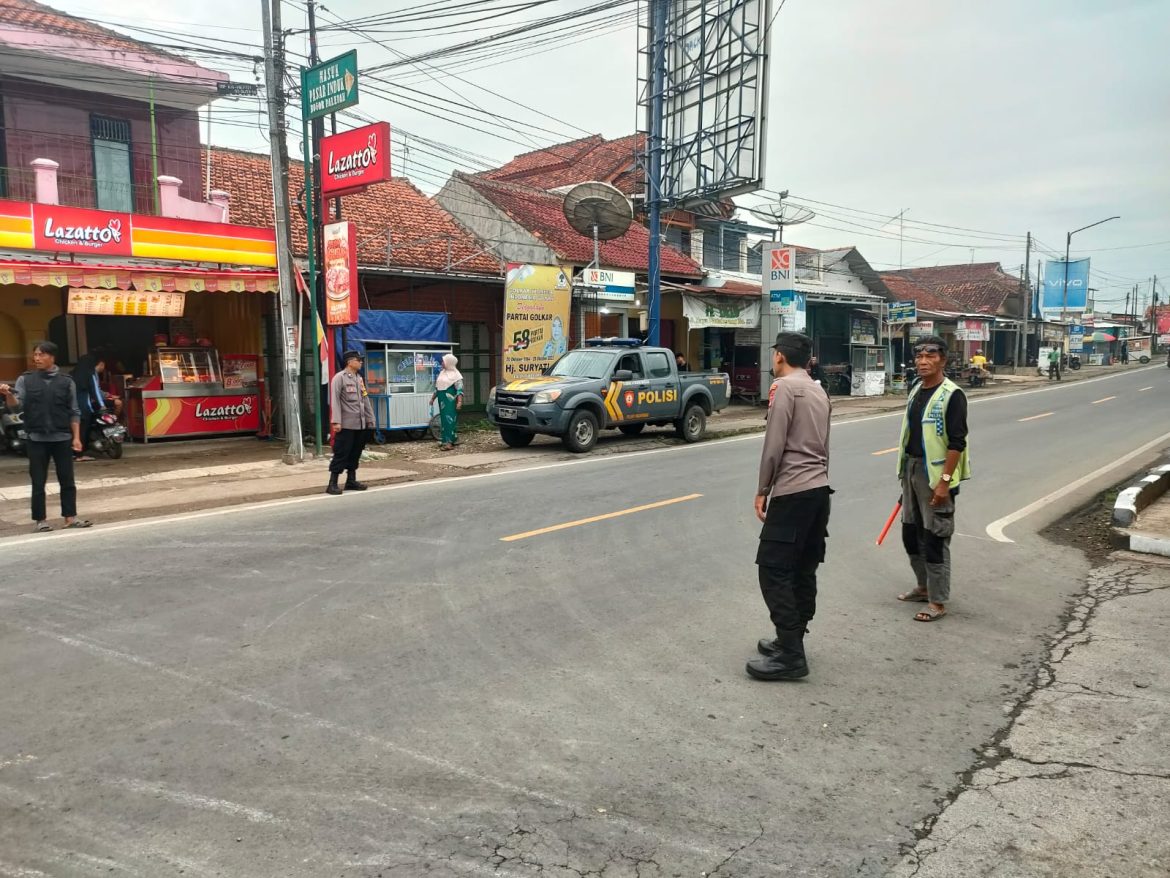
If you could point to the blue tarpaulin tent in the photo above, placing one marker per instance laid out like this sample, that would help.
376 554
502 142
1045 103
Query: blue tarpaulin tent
398 326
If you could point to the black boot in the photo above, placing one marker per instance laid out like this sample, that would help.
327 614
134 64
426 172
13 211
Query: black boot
788 662
351 482
333 488
771 645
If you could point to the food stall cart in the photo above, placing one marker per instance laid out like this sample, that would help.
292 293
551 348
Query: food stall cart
404 354
190 392
867 356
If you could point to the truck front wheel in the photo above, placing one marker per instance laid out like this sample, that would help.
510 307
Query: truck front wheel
582 433
515 438
693 423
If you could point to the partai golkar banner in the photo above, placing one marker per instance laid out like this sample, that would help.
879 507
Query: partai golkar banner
536 318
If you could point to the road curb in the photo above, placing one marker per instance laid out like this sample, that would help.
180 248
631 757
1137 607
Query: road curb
1128 506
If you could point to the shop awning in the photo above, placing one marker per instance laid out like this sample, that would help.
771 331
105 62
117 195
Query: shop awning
137 277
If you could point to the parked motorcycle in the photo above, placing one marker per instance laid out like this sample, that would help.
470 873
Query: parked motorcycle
912 378
1074 362
106 435
12 433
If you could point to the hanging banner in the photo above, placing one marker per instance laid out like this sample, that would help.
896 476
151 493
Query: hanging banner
1076 338
353 160
973 330
537 299
721 312
779 279
1054 301
341 280
119 303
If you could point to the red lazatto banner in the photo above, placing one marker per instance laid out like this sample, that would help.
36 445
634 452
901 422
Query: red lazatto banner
76 230
355 159
341 280
184 415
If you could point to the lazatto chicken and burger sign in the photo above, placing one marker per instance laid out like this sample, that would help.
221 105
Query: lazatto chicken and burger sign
355 159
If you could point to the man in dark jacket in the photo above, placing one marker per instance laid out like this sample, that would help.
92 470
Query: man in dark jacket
352 421
52 420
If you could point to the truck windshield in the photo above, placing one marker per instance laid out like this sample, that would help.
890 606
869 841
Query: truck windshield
582 364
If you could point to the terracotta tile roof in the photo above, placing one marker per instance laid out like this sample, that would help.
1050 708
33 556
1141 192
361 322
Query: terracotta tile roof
979 288
540 213
591 158
420 230
38 17
904 289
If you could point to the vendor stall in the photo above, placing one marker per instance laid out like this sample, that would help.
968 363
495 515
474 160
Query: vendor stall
190 391
404 353
869 370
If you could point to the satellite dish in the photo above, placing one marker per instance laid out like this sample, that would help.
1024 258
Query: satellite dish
781 214
598 210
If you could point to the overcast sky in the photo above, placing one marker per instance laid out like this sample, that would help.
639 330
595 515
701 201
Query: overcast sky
1003 116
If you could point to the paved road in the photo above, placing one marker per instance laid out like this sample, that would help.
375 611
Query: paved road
382 685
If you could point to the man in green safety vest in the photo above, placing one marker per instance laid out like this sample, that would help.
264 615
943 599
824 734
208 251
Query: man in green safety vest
932 461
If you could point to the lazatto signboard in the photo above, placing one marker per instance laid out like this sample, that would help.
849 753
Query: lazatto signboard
52 228
353 160
341 281
74 230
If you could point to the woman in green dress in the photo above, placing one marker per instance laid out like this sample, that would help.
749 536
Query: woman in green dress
449 393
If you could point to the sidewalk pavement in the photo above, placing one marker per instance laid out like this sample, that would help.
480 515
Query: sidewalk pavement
169 477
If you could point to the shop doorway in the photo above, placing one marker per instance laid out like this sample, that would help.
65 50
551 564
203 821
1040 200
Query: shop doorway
475 362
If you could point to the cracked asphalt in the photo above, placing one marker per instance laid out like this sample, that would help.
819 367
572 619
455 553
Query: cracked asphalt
379 685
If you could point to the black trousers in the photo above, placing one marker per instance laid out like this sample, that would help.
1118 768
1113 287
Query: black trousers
348 446
792 546
39 455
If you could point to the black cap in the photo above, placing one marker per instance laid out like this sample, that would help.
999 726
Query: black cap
790 340
352 355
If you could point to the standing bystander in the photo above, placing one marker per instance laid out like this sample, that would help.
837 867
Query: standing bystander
792 501
48 399
932 460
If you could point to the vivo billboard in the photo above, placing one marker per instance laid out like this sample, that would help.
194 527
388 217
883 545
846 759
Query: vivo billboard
1053 299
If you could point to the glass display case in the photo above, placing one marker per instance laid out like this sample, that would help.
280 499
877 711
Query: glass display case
400 378
190 392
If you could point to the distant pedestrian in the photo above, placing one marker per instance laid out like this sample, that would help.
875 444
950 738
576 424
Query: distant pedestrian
932 461
792 501
1124 354
90 399
48 398
683 365
1054 364
352 421
449 394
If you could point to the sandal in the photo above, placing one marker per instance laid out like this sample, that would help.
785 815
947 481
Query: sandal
79 523
917 596
85 458
930 614
42 527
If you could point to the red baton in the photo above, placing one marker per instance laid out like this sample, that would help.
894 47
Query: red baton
890 521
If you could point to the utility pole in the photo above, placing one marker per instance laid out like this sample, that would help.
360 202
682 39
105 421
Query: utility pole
654 147
1154 315
313 211
289 330
1025 286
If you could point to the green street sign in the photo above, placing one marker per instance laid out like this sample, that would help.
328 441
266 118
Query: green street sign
330 86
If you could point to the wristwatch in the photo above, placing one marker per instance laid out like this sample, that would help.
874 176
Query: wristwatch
946 477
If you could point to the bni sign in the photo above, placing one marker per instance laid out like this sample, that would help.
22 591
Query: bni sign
903 312
780 284
614 286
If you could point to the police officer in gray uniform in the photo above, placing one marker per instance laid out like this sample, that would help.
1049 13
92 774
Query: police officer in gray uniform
352 421
792 500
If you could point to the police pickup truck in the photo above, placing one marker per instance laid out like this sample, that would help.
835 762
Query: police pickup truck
608 384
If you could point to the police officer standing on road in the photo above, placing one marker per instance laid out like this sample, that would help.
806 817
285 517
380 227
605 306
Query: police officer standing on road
793 503
352 420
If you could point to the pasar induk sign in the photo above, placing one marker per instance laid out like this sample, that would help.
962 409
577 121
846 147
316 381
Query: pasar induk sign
353 160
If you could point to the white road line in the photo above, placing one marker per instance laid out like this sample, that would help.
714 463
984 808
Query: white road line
1099 401
1037 417
1144 389
996 528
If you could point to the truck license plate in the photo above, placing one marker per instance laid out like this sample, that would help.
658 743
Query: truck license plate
507 414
